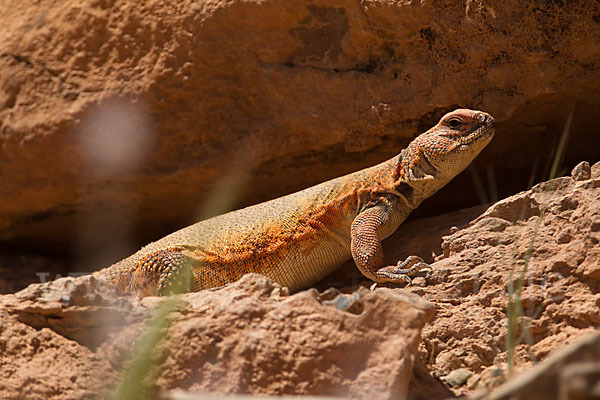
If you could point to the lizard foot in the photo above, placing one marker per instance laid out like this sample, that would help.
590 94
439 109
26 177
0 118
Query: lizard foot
162 273
403 271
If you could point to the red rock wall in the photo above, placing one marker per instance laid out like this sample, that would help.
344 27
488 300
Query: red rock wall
119 120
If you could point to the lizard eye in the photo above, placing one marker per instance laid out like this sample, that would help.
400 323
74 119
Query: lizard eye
454 122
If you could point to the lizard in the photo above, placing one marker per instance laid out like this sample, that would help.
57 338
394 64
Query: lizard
298 239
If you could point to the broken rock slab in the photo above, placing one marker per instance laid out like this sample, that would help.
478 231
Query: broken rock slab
75 338
571 373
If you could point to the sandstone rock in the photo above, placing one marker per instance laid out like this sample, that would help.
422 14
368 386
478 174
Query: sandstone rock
475 264
582 171
120 122
570 374
489 378
581 380
595 171
180 395
72 338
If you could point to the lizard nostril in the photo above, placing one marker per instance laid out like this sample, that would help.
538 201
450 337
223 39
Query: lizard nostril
484 118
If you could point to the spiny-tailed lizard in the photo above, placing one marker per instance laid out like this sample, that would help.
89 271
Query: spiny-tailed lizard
300 238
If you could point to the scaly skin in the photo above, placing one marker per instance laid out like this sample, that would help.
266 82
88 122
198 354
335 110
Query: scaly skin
300 238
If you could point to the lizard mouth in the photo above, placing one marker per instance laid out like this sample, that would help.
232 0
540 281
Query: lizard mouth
485 130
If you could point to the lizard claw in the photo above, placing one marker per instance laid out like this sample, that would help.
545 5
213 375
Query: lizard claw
412 265
403 271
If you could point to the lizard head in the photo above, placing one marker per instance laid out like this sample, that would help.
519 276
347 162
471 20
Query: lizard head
438 155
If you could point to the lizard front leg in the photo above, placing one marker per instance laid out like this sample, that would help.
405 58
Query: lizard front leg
367 250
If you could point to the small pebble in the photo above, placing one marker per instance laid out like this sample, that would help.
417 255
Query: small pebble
582 171
457 377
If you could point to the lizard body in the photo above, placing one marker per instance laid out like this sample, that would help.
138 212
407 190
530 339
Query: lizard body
300 238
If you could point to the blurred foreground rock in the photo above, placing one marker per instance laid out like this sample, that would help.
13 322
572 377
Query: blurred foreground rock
572 373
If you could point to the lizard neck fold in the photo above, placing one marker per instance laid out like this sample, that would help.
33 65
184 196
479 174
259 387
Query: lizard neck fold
413 166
